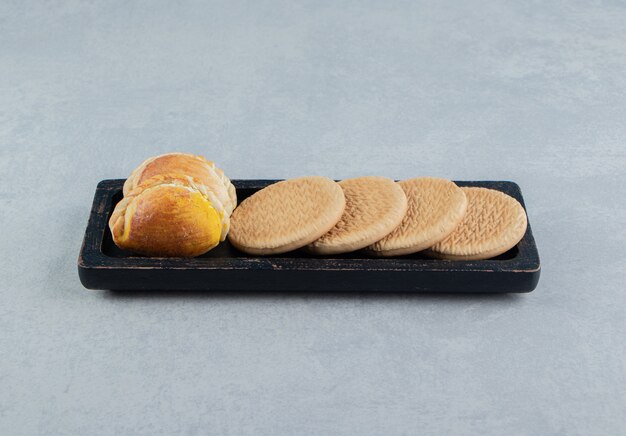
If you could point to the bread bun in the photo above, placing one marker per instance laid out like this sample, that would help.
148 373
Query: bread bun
201 170
175 204
166 216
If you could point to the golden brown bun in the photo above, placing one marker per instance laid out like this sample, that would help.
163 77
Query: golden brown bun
166 217
201 170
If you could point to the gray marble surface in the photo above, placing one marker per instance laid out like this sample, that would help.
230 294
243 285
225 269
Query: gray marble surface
533 92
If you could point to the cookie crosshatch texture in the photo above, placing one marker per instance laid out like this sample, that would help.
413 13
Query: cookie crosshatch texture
375 206
435 207
494 223
287 215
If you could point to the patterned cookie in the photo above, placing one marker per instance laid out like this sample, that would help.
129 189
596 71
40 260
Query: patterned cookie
374 207
286 215
435 208
494 223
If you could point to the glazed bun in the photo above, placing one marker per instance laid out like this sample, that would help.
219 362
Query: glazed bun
174 205
200 170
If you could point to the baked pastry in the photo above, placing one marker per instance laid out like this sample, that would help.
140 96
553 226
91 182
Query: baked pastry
175 204
374 207
202 171
167 216
435 207
494 223
286 215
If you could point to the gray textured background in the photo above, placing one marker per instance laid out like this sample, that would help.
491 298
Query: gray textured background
528 91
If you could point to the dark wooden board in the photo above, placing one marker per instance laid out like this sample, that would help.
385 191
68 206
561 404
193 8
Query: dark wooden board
101 265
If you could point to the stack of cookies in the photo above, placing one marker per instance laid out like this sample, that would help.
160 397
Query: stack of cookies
380 216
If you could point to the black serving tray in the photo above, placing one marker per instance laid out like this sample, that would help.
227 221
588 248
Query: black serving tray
102 265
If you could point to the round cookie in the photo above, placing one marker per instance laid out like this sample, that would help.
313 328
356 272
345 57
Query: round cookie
494 223
374 207
435 208
286 215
